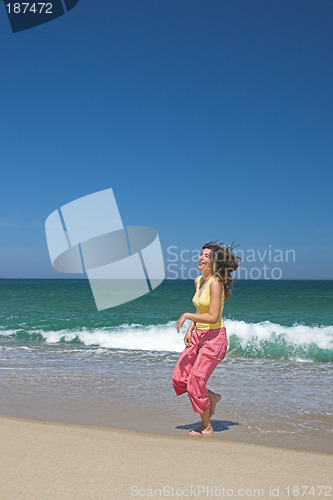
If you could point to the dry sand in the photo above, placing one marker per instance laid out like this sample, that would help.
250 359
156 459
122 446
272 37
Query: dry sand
44 460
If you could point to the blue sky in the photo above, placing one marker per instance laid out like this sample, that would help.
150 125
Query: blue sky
209 119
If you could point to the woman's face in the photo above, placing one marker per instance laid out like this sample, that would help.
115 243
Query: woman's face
205 263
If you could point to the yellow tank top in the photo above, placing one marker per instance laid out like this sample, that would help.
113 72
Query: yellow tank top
202 305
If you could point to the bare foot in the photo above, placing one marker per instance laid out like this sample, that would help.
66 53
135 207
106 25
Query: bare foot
202 431
213 398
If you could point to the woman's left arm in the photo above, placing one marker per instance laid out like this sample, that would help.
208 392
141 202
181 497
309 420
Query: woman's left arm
214 308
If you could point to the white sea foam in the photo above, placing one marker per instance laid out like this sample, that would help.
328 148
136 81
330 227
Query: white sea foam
132 337
296 335
251 339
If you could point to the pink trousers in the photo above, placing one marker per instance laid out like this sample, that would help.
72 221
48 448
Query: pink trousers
196 364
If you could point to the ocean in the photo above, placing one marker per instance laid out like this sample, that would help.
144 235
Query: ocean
62 360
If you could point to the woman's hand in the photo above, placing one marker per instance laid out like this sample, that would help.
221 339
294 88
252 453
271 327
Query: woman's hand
181 321
188 338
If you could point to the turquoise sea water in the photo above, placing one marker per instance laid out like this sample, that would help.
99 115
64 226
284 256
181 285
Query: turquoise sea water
61 359
264 319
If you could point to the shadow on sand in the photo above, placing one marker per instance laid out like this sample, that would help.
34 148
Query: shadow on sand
218 425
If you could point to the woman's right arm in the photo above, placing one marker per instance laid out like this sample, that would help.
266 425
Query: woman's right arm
188 336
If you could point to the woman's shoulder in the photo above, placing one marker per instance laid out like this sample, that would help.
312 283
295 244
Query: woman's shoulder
216 284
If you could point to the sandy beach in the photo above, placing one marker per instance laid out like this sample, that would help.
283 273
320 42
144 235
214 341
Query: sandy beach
44 460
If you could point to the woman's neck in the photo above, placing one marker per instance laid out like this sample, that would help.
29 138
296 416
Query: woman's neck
206 276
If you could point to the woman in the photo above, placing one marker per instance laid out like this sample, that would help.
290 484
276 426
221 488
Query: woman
205 340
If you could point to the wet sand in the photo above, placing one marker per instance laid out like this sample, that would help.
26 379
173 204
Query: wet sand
281 404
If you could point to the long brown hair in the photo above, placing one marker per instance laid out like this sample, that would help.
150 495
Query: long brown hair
224 263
